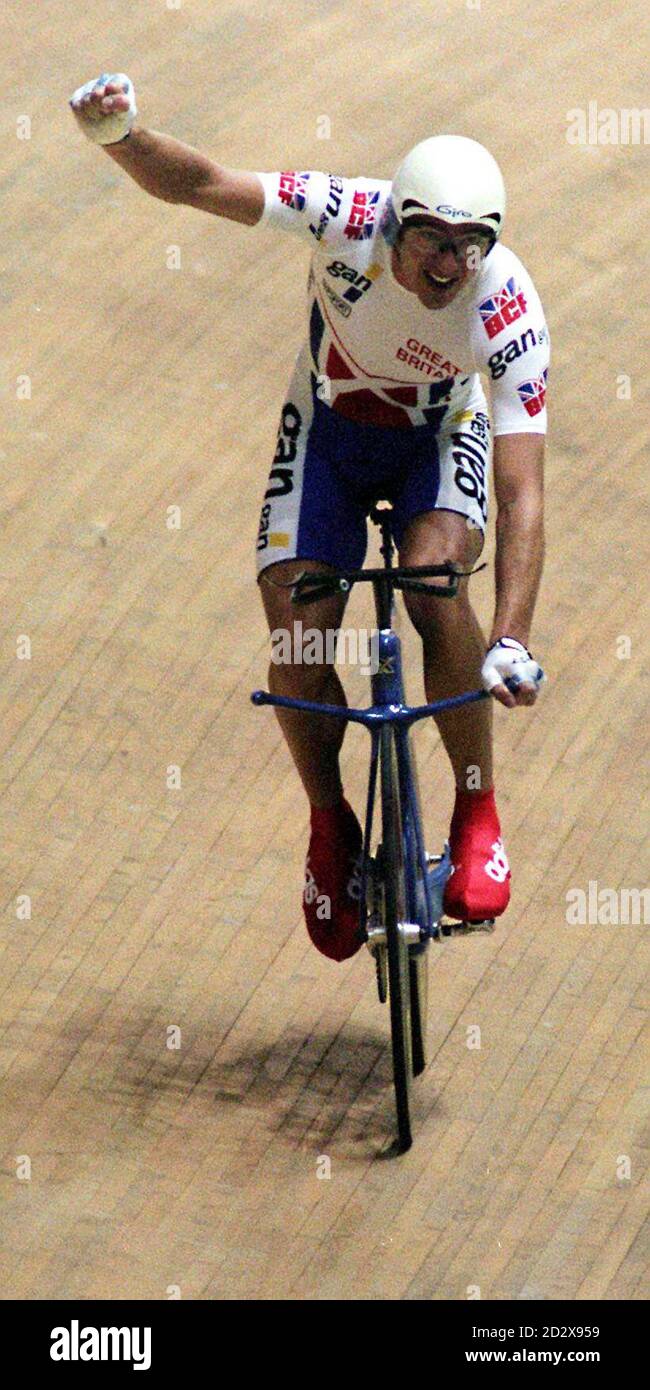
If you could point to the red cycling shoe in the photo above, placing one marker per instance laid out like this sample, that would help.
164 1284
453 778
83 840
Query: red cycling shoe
333 881
479 884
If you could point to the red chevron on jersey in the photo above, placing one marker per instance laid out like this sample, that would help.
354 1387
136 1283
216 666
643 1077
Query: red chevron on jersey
501 309
532 394
292 190
361 222
336 368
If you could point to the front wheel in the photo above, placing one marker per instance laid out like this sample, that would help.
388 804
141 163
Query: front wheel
420 912
399 966
419 986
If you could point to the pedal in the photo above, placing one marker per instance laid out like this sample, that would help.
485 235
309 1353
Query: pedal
412 933
467 928
376 943
375 935
381 974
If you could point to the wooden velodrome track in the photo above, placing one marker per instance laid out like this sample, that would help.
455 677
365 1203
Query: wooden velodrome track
131 1168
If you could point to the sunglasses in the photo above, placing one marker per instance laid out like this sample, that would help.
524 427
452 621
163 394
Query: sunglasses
428 239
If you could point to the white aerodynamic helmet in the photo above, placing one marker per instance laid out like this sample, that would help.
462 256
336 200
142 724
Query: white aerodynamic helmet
453 179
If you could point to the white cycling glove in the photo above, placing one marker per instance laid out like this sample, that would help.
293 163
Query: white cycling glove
104 127
509 663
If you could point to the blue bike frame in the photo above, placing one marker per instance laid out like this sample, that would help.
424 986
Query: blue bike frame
388 707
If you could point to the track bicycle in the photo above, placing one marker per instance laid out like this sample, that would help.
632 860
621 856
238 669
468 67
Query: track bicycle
401 886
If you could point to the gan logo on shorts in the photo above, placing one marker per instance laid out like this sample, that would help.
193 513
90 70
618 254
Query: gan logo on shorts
292 190
532 394
501 309
281 475
361 221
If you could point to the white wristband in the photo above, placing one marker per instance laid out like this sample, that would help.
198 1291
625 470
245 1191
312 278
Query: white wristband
509 663
105 127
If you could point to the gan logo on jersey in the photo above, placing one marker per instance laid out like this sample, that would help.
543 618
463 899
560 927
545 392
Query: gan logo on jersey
532 394
358 283
292 190
517 347
501 309
361 221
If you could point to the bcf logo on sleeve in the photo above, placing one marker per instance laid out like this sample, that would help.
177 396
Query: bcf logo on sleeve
360 223
532 394
292 190
501 309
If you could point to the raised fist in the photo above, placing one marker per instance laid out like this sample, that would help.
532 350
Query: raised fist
105 107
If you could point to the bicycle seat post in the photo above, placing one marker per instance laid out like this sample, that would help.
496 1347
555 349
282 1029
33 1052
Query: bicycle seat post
387 547
382 517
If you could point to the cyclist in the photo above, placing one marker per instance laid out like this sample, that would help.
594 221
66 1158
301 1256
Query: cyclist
411 297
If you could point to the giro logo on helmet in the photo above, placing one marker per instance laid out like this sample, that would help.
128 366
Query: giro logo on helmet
453 212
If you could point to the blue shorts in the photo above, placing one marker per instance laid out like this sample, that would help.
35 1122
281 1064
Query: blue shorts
328 471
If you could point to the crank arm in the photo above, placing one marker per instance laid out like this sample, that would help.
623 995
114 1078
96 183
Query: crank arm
466 928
